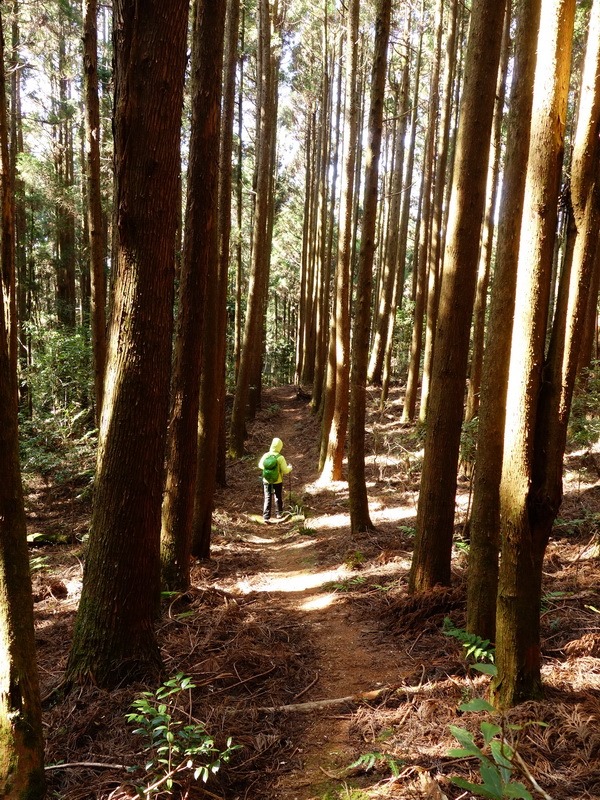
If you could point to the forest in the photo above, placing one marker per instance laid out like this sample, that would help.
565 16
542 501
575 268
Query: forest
362 237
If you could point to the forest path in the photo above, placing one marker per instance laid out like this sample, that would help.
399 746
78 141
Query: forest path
348 658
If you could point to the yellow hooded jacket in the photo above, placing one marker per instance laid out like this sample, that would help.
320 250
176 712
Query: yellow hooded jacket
284 467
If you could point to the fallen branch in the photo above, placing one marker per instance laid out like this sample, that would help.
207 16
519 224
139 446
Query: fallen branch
338 701
534 783
353 699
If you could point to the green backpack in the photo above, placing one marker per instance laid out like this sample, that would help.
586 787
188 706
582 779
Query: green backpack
271 468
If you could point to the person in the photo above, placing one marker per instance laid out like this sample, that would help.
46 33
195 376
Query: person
274 485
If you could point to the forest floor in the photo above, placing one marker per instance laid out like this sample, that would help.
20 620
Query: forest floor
306 649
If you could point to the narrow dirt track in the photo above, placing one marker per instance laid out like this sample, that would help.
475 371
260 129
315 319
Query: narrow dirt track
349 659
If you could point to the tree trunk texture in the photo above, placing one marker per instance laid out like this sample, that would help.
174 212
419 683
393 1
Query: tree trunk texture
198 276
212 383
239 186
8 251
22 751
487 235
422 264
435 515
401 268
485 514
302 317
432 253
360 519
590 326
390 263
16 147
114 637
335 435
525 512
253 330
65 217
323 331
94 199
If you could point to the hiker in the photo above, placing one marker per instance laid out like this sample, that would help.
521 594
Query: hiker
273 466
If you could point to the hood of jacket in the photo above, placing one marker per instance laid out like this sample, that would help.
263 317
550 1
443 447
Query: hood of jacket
276 445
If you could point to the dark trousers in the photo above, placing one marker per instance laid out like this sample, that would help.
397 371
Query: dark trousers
269 490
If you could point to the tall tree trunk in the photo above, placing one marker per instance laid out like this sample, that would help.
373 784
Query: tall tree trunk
302 317
590 327
437 229
335 436
422 263
198 270
435 515
114 637
359 504
390 263
487 236
16 147
323 364
95 221
538 407
212 383
398 294
253 330
65 217
239 186
8 251
22 751
485 514
432 253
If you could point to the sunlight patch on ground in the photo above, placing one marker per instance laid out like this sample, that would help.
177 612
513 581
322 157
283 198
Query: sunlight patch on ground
380 513
336 487
330 521
293 581
302 545
320 602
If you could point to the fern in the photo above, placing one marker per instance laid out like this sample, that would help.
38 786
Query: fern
475 647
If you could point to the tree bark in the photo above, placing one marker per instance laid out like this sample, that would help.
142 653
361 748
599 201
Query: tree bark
198 269
114 637
253 329
212 383
397 297
422 262
485 514
390 264
94 199
359 505
487 235
539 395
435 515
335 435
432 255
22 751
8 251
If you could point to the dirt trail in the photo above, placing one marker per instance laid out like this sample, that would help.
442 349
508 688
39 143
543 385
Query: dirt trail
349 661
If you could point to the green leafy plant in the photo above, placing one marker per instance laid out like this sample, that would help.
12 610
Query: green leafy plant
369 761
475 647
496 756
38 563
348 585
355 560
178 753
584 421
